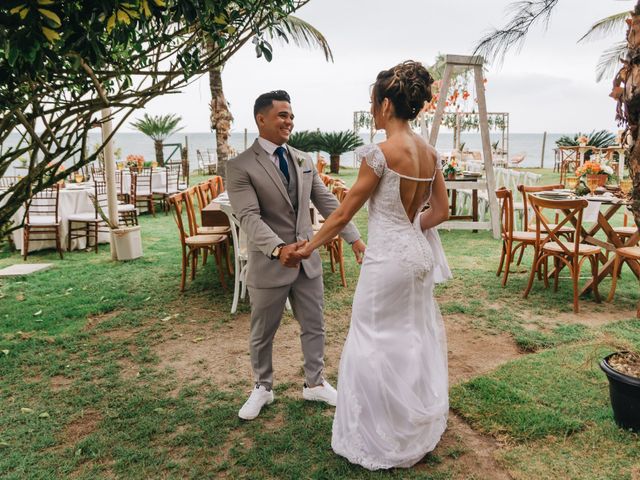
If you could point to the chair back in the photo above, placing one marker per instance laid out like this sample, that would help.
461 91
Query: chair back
100 199
191 199
568 213
205 193
44 204
178 202
143 181
340 191
219 184
172 178
525 190
505 199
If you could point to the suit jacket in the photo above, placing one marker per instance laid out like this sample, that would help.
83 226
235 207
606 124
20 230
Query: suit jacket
260 201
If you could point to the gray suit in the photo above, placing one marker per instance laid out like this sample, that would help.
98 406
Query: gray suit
266 204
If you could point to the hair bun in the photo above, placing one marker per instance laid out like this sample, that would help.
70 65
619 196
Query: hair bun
407 85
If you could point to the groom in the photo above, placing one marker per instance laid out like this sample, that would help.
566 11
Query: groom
270 186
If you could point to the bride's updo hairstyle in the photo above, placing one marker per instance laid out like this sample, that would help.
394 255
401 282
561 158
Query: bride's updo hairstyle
407 86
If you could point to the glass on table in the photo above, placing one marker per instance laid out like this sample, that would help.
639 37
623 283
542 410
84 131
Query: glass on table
592 183
78 177
571 182
626 184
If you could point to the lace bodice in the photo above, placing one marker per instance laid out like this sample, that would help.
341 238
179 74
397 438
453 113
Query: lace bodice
390 230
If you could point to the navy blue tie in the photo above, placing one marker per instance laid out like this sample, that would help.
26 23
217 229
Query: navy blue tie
284 166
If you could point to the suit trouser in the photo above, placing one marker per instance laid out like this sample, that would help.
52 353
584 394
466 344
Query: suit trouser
267 305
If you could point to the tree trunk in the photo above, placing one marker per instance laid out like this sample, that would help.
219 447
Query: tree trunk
626 89
159 152
335 163
221 119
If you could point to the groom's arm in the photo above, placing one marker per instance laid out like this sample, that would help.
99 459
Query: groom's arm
326 202
244 202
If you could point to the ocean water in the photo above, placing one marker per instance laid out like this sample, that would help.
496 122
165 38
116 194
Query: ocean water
139 144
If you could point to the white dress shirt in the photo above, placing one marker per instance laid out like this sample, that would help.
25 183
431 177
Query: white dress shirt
270 148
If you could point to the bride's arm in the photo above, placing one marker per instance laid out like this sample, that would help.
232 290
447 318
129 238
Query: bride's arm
438 211
361 190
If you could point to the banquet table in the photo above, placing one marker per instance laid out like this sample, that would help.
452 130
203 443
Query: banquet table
605 211
597 215
74 198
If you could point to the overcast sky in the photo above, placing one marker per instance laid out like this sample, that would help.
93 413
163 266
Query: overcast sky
549 85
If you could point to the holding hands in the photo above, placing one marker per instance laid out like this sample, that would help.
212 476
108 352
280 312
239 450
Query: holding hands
291 255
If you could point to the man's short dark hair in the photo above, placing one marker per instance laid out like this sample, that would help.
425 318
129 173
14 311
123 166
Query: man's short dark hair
265 101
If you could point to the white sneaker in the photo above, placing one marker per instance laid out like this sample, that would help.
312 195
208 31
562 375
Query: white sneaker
259 397
321 393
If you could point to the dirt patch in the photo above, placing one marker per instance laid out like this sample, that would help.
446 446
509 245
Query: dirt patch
128 369
472 352
58 382
80 427
195 352
95 320
467 454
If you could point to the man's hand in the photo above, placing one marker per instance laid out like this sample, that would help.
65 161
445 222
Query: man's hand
358 248
289 256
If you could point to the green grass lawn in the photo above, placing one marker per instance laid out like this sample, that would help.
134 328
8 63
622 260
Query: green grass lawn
83 391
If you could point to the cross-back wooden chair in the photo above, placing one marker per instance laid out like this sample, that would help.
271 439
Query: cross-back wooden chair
320 165
89 224
42 218
529 223
512 240
191 242
144 188
217 181
569 161
570 254
626 230
623 253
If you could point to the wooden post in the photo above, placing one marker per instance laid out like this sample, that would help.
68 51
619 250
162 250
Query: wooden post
110 173
486 146
544 144
437 118
245 138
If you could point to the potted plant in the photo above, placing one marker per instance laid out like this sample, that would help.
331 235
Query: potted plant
126 240
623 372
594 171
451 169
337 143
158 128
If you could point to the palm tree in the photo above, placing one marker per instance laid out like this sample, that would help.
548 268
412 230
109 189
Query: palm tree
158 128
337 143
305 141
303 34
626 85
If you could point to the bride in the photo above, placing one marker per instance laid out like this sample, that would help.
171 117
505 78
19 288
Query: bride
392 382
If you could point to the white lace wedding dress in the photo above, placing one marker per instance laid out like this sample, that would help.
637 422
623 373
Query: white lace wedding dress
392 385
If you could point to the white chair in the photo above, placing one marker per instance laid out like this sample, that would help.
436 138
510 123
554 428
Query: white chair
207 161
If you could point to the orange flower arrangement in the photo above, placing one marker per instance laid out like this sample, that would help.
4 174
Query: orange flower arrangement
594 168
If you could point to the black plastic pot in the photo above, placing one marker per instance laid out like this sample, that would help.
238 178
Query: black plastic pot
625 396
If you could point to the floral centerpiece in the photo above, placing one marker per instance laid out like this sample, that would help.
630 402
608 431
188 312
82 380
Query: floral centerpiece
451 168
604 172
135 161
583 140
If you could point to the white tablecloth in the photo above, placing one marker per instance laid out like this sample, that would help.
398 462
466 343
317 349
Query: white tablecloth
72 200
158 180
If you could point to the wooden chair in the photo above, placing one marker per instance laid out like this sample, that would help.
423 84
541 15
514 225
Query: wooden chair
566 231
623 253
512 240
42 218
127 210
144 190
91 222
207 161
191 242
626 230
320 165
206 192
564 253
171 186
335 245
